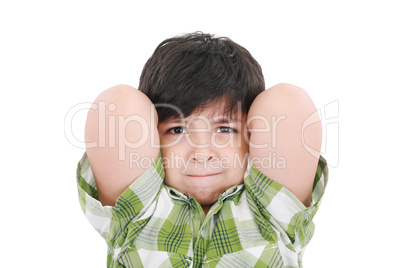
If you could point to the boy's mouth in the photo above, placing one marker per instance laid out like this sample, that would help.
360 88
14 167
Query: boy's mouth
203 175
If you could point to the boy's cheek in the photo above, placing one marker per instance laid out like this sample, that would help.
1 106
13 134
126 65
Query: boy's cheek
168 141
222 141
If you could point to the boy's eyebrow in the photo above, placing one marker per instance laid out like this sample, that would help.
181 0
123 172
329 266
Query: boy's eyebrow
222 120
176 120
219 120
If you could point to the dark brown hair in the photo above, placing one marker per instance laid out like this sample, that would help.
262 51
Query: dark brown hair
195 70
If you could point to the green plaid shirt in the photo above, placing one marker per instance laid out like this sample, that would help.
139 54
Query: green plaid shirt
256 224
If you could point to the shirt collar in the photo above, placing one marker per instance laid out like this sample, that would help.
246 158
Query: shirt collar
176 194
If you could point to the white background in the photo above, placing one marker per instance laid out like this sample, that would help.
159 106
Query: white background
57 54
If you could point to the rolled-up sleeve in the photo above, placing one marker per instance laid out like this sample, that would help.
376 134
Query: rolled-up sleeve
111 222
285 211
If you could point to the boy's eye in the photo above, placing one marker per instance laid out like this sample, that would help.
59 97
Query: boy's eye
177 130
226 129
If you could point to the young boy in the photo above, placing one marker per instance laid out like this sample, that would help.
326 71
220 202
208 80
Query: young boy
202 167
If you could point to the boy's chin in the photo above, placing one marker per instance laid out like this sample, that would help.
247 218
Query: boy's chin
206 199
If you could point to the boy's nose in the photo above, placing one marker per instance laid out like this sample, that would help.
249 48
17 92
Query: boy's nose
199 139
201 156
201 149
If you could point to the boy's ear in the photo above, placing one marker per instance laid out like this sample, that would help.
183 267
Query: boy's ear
246 131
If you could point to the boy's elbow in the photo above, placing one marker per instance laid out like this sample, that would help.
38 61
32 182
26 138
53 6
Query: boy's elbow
290 107
282 99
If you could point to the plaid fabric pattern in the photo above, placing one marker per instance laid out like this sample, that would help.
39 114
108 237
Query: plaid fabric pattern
256 224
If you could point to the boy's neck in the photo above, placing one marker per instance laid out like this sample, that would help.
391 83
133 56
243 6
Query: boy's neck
206 209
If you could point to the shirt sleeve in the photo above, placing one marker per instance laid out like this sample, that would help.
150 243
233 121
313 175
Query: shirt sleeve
109 221
282 209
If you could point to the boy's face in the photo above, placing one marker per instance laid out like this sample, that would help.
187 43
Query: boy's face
205 153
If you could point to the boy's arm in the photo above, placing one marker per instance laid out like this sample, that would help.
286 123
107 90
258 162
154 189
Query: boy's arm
121 128
285 138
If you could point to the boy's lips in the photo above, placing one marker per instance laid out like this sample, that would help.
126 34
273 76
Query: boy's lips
202 175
